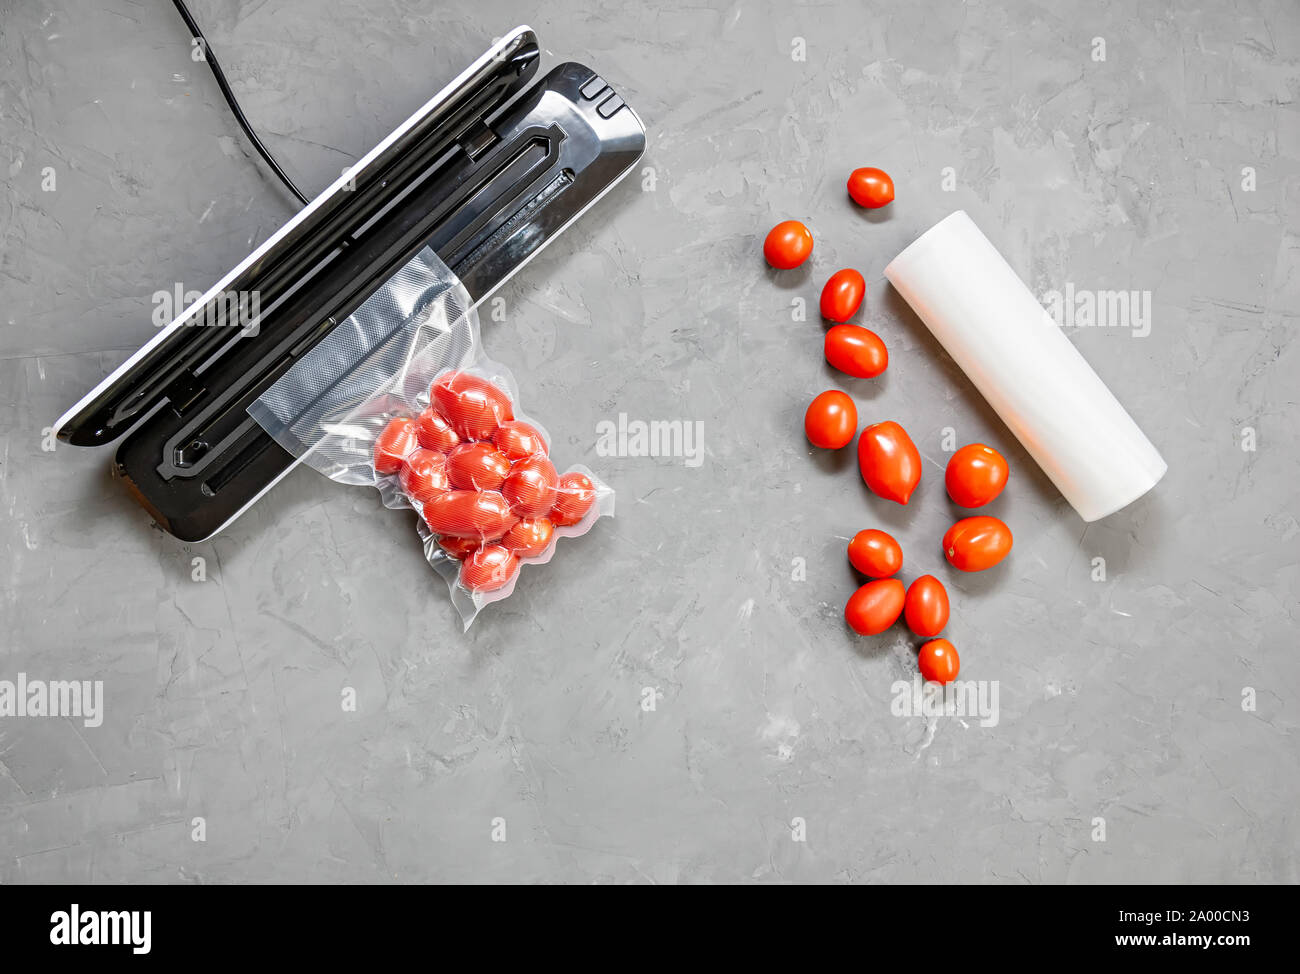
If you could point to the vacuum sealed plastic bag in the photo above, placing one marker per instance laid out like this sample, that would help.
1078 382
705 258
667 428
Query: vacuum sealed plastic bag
400 396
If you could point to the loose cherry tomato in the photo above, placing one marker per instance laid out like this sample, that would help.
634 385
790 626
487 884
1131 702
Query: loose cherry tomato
473 406
477 466
459 547
788 245
976 474
871 187
424 475
530 488
530 537
831 420
574 496
939 661
518 440
875 554
434 431
488 569
842 295
856 351
875 606
926 606
889 461
481 514
976 543
394 444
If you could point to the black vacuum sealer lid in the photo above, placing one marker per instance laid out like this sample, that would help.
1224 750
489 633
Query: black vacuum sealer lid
458 111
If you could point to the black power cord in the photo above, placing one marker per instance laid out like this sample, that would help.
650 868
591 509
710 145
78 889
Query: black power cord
224 85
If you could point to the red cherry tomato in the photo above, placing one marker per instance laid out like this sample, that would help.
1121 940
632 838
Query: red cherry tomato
875 606
889 461
926 606
477 466
976 543
875 554
871 187
394 444
939 661
530 537
842 295
488 569
574 496
976 474
518 440
530 488
481 514
434 431
831 420
424 475
856 351
788 245
473 406
459 547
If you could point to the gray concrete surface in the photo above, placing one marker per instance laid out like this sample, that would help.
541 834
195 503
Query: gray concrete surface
1125 703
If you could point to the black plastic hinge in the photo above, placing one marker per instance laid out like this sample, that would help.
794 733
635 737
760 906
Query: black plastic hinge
478 139
184 391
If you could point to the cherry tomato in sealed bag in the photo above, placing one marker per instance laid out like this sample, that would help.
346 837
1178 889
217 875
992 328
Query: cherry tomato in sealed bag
889 461
424 475
975 475
434 431
459 547
530 537
530 488
939 661
976 543
856 351
473 406
574 496
519 440
788 245
481 514
488 569
871 187
875 607
926 607
394 444
477 466
875 554
842 295
831 420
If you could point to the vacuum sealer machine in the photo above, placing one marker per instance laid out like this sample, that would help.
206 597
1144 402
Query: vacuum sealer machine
486 174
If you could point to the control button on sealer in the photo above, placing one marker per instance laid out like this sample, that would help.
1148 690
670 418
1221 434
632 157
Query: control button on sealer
593 87
609 106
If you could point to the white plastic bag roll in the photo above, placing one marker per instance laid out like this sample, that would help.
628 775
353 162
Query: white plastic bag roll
1026 368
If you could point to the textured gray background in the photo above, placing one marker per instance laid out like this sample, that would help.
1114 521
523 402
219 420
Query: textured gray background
1119 699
